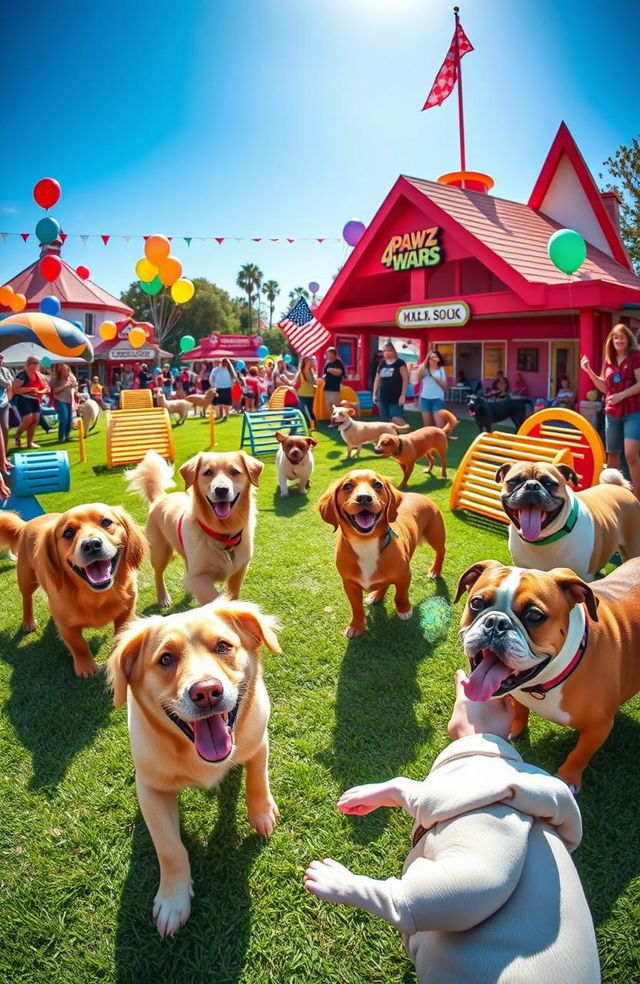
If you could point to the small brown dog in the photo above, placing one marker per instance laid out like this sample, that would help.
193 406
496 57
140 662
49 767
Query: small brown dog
176 408
294 461
371 554
421 443
86 561
202 400
355 433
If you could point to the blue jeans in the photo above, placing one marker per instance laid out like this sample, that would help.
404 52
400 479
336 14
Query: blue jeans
306 402
64 420
621 429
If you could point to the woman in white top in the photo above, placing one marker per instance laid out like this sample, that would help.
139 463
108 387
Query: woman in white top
433 380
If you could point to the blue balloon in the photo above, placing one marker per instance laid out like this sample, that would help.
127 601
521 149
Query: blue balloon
47 230
287 358
50 305
175 372
240 364
262 351
156 370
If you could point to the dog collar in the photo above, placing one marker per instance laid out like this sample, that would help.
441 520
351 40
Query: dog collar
400 446
540 690
568 526
349 424
229 541
388 537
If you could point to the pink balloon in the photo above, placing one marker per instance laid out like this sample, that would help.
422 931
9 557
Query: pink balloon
353 232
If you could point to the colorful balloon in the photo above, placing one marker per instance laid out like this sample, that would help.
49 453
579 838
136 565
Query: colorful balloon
50 305
83 272
18 302
6 293
314 287
182 291
50 267
175 372
156 371
136 337
567 250
47 192
55 335
169 270
156 249
287 359
240 364
107 331
145 270
187 342
353 232
78 324
151 288
48 230
45 361
262 351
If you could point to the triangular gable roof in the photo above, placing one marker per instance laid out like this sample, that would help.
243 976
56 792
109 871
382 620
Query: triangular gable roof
566 191
69 288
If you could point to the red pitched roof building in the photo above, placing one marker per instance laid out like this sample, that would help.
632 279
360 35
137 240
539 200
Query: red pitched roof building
468 273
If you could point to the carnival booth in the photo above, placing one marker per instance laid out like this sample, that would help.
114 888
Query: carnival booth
445 264
235 347
114 356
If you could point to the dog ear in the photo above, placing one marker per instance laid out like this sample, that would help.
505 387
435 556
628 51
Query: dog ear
568 474
471 575
189 470
280 437
328 506
311 441
136 545
46 553
502 471
394 500
576 590
252 466
122 662
254 627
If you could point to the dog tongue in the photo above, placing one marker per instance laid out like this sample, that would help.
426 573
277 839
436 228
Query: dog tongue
366 520
222 509
486 678
99 571
212 738
530 520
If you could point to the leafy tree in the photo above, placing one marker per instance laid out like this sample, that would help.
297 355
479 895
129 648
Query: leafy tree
295 295
271 289
624 168
249 280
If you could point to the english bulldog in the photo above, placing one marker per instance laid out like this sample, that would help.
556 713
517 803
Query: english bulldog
553 526
557 645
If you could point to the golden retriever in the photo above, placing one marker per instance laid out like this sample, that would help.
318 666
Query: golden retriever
86 560
371 553
197 706
355 433
211 524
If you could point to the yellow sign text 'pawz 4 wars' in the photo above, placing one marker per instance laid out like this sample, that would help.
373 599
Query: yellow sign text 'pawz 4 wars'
413 250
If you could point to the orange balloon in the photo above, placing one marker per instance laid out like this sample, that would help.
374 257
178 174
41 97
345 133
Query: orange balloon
18 302
170 270
6 293
136 337
157 249
107 331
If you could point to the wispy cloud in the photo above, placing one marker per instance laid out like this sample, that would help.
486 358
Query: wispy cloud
9 208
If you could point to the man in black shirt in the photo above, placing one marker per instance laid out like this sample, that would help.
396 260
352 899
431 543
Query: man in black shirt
334 375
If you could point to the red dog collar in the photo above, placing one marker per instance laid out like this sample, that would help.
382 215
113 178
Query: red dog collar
229 541
540 690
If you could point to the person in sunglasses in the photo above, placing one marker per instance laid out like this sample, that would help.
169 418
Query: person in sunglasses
620 383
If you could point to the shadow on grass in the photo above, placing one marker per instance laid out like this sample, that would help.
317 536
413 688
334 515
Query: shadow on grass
55 714
217 933
290 505
377 732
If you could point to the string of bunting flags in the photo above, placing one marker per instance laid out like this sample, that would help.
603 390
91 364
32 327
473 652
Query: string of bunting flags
106 238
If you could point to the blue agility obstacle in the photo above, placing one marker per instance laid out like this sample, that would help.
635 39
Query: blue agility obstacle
259 428
36 474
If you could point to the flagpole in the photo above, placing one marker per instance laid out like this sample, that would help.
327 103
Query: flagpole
463 162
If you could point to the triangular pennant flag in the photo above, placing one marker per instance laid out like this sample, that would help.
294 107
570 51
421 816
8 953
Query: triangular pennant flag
169 238
319 240
291 240
3 236
146 237
105 239
25 235
84 240
63 237
219 240
256 240
188 239
127 239
276 240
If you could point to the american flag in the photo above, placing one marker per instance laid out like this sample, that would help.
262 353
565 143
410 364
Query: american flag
448 75
305 332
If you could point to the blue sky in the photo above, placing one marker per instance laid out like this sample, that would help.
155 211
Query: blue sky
284 117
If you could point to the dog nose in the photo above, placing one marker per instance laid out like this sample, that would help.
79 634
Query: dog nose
497 624
206 693
363 499
221 491
531 486
92 544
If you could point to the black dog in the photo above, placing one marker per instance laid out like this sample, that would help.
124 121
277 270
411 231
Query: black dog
486 413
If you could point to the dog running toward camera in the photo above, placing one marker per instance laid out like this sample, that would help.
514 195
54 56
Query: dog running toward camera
294 461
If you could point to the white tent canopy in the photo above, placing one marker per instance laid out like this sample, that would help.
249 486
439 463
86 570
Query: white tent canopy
17 355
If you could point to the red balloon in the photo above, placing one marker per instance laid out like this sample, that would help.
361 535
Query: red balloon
47 192
83 272
50 267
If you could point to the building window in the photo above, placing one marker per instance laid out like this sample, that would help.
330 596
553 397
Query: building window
347 351
527 360
88 323
494 359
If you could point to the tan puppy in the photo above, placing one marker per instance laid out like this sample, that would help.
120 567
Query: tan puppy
202 400
355 433
553 526
86 560
421 443
211 524
89 412
372 554
294 461
559 646
197 706
177 408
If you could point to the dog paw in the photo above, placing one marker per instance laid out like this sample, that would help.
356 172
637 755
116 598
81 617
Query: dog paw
284 492
352 631
263 818
374 598
573 781
29 625
171 910
433 574
86 669
405 616
165 600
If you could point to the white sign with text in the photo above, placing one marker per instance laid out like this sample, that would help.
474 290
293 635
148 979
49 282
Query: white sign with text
450 314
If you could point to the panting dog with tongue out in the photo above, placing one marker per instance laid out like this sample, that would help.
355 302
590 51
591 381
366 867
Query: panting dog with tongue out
556 645
553 526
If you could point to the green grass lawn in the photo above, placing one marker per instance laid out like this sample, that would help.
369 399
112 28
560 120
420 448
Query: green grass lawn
77 868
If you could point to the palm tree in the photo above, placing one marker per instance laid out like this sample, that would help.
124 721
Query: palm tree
296 294
271 289
248 280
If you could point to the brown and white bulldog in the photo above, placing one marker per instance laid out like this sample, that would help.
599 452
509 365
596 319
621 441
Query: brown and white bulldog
557 645
294 461
553 526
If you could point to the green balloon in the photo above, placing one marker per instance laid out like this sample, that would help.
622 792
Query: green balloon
152 286
187 342
567 250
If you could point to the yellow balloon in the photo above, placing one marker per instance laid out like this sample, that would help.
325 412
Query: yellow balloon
136 337
107 330
156 249
145 270
169 270
182 291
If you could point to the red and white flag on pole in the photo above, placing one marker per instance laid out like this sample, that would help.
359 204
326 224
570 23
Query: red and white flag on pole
448 74
304 332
